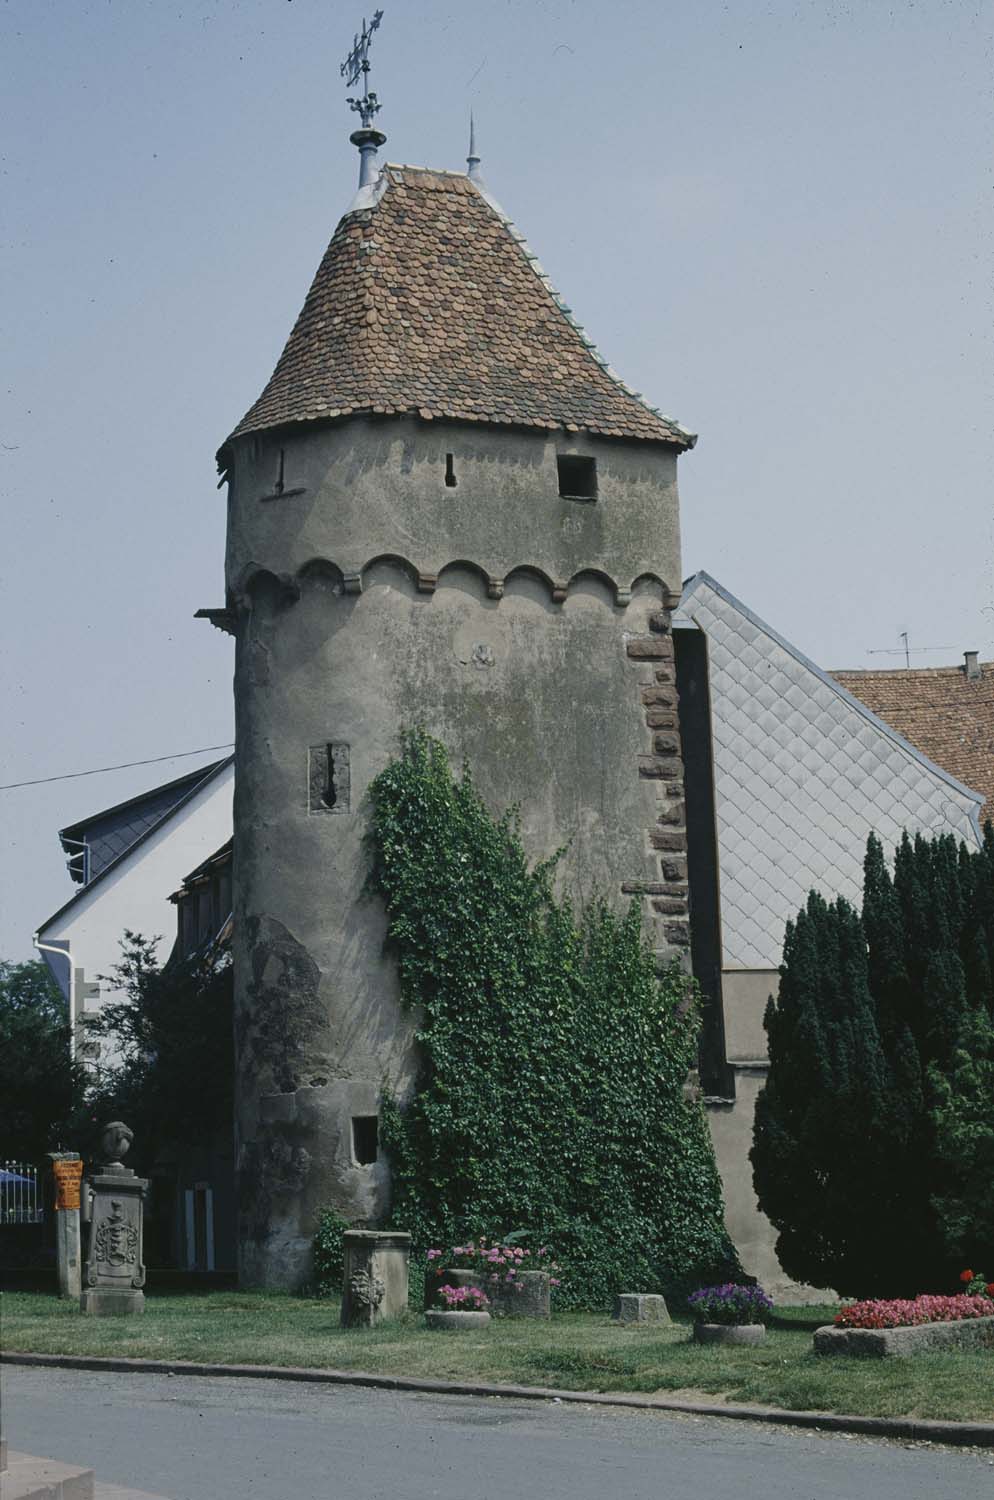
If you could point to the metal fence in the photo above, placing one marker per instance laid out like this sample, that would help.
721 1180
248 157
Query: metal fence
21 1200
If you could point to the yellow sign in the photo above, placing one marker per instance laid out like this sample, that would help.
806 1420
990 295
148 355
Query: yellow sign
67 1179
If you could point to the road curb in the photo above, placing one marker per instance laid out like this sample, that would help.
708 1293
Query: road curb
961 1434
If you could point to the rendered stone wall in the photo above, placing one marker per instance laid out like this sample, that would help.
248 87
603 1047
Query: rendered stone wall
530 634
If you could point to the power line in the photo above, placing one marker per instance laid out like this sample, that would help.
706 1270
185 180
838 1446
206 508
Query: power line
125 766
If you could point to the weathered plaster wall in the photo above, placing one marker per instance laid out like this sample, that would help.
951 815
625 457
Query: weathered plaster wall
745 993
489 614
362 489
751 1231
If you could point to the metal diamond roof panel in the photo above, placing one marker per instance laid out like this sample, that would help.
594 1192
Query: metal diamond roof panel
803 772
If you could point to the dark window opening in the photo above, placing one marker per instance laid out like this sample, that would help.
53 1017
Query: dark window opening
450 471
329 792
365 1139
278 486
329 778
577 477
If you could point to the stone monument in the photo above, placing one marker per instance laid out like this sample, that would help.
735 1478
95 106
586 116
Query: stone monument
375 1282
113 1273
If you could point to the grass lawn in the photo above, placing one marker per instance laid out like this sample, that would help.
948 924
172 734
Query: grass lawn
575 1351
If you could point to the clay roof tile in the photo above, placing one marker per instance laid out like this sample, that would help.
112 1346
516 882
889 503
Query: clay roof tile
432 302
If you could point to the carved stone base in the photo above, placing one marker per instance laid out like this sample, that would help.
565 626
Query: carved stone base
108 1302
375 1283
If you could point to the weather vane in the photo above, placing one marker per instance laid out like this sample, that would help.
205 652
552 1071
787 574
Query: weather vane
356 66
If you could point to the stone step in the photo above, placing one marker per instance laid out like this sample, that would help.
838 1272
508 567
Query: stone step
29 1478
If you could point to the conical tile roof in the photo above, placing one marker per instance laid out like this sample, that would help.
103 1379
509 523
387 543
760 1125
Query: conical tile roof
429 302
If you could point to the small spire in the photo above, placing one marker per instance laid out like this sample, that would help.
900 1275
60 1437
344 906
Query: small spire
472 160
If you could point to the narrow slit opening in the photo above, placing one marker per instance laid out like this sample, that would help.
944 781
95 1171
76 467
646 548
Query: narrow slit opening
329 795
450 471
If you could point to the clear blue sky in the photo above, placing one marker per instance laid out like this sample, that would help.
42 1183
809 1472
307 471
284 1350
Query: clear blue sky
773 218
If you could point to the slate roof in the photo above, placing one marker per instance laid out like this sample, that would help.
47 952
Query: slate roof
111 832
189 786
428 302
949 716
803 772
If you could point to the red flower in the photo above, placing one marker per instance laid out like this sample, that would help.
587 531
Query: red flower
990 1289
966 1276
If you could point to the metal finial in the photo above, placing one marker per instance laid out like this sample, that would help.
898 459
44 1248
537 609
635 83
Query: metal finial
472 160
356 66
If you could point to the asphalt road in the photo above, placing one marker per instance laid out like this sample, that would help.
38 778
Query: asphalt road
191 1438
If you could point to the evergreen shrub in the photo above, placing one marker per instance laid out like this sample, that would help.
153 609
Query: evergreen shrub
874 1136
550 1101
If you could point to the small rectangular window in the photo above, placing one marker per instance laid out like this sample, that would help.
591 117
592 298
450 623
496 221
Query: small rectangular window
577 477
365 1139
450 471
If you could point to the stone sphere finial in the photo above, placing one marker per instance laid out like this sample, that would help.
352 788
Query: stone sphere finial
115 1142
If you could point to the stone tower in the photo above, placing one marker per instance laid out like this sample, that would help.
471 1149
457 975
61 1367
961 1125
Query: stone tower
444 510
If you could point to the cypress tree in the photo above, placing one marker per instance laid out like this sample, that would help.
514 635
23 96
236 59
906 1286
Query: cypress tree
880 1095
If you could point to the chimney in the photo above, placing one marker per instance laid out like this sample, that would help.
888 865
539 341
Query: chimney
971 666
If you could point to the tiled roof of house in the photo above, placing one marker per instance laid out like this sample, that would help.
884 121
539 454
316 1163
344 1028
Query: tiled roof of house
429 302
948 716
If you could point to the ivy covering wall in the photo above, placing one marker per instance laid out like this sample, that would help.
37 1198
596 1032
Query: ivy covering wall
551 1096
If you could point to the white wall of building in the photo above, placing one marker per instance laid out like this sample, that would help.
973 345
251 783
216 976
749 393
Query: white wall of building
135 893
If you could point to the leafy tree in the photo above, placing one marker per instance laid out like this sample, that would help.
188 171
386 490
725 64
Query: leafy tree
39 1083
172 1031
551 1097
877 1075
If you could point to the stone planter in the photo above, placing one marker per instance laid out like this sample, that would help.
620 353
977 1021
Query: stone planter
885 1343
450 1278
533 1301
729 1333
446 1321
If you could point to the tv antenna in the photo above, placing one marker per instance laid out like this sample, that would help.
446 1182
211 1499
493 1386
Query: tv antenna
906 650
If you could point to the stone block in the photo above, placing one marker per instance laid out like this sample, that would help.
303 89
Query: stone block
657 697
674 869
654 768
650 648
531 1297
109 1302
640 1307
672 842
670 906
660 718
665 744
672 814
376 1277
677 933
